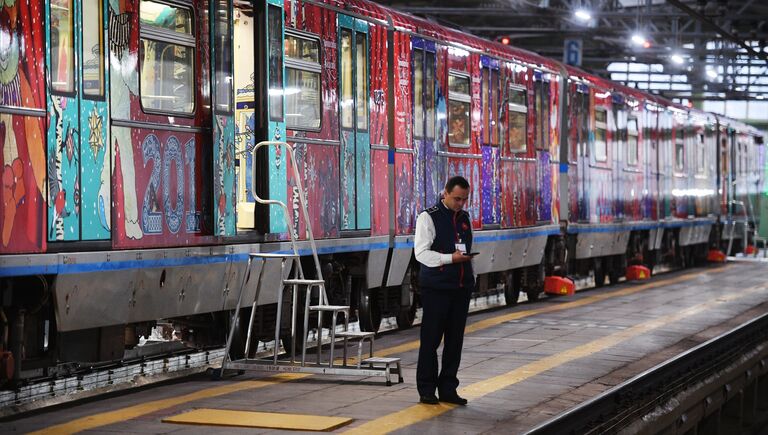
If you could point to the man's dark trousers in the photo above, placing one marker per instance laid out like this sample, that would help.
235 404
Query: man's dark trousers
444 316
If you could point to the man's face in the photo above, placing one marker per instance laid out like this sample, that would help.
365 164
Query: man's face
456 198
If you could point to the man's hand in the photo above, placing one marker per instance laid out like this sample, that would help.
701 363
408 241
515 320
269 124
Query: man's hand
459 257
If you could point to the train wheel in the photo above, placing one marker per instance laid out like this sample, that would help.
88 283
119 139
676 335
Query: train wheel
599 271
369 312
407 313
512 287
535 282
614 270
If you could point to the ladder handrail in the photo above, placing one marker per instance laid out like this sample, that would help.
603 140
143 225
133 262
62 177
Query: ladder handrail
286 212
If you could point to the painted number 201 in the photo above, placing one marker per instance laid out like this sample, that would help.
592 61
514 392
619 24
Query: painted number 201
152 214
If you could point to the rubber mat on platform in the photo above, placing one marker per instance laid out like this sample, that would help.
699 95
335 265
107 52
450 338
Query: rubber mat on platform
271 420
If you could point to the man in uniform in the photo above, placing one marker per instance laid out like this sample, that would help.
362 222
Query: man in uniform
442 245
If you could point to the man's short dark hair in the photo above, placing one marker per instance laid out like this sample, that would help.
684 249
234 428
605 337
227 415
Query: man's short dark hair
458 180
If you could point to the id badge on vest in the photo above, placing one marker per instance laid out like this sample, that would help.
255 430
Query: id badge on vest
461 247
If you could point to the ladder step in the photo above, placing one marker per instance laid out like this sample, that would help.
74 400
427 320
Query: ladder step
303 282
380 360
330 308
355 334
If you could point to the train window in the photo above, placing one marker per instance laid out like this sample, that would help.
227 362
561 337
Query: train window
679 150
223 77
458 110
601 140
62 46
518 117
583 124
361 40
490 102
418 93
485 94
701 156
275 37
347 98
541 101
167 54
429 94
632 142
93 49
303 103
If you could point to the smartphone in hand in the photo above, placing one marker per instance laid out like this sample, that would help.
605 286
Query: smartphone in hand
470 254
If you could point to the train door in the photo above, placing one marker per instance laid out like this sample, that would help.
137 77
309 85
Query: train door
223 121
79 187
426 179
259 113
490 85
355 158
619 144
542 103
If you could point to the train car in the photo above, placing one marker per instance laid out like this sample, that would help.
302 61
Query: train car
131 174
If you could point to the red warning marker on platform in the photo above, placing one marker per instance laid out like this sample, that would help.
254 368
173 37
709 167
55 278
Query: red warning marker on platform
637 272
716 256
750 250
557 285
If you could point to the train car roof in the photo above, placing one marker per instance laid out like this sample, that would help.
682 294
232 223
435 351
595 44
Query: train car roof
431 30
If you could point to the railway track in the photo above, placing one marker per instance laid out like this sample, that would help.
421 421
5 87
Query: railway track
720 385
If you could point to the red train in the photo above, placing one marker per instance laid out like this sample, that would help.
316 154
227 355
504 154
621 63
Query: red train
129 181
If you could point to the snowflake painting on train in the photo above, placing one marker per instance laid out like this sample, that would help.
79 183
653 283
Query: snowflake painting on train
22 85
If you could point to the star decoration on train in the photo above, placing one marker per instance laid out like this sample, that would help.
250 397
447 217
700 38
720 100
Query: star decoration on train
95 138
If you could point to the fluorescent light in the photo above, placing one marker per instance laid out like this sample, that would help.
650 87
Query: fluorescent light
583 15
712 74
676 58
638 39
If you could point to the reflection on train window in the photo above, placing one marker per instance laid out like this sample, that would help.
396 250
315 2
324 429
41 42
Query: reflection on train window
347 100
62 46
167 55
429 94
361 84
632 142
700 155
541 104
275 41
93 49
458 110
303 103
679 150
418 93
222 48
601 139
490 104
518 117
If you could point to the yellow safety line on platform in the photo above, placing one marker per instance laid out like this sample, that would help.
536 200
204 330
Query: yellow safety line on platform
105 418
497 320
418 413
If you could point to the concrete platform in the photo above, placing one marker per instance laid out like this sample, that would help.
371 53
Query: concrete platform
520 365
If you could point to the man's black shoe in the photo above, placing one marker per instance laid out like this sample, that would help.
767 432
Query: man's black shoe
453 398
429 399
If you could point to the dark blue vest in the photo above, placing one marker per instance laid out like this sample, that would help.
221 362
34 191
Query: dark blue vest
450 228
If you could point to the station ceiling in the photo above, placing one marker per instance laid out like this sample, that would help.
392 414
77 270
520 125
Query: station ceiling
721 44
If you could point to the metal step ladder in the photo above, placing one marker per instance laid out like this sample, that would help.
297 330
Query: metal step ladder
292 279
